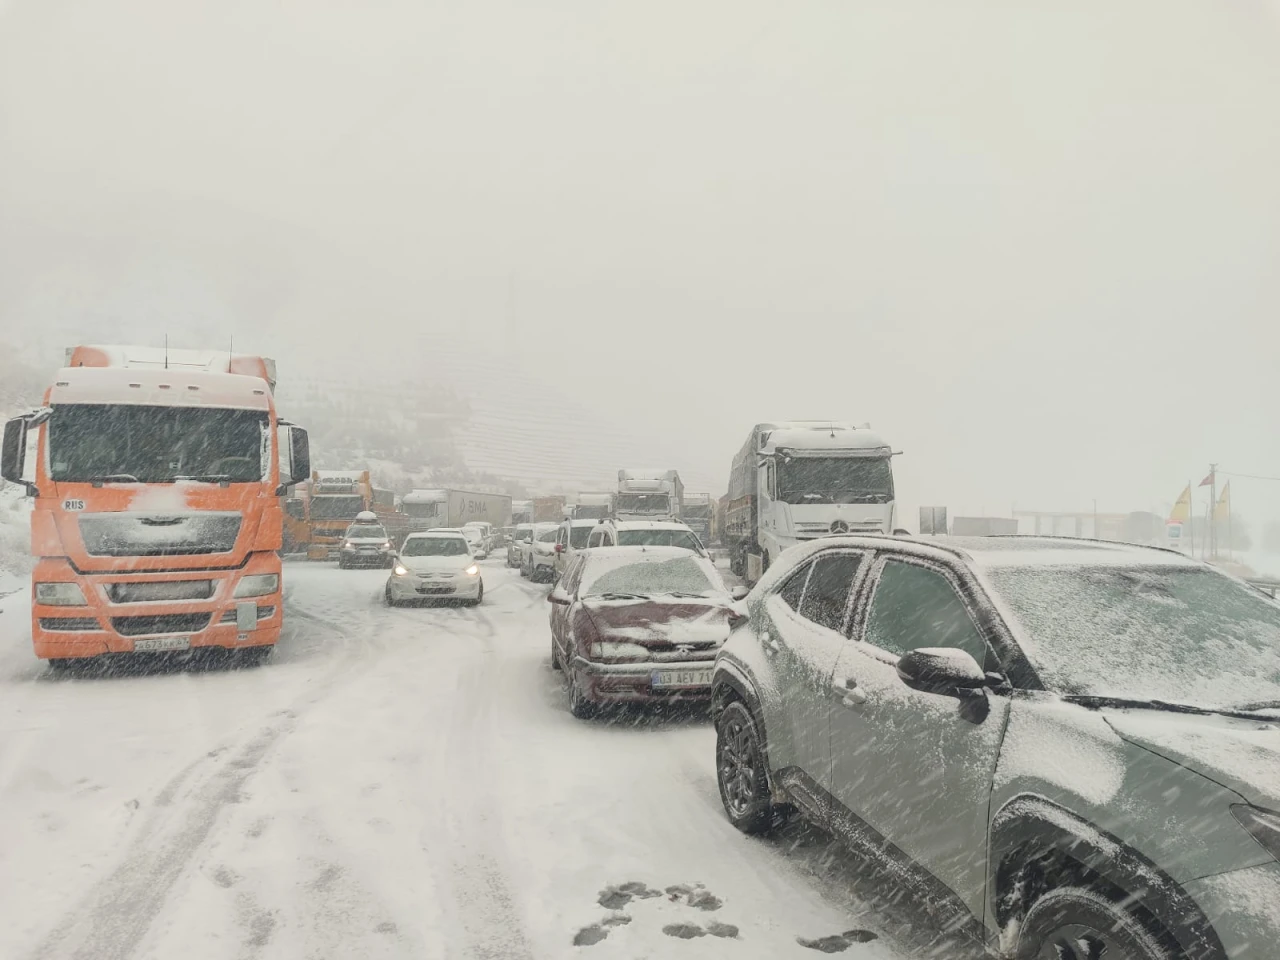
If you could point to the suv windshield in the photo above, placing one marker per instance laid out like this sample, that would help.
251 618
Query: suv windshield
658 538
434 547
835 480
578 536
366 531
1179 634
548 536
157 444
652 577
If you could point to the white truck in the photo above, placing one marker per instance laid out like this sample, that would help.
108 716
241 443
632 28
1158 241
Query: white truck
593 506
696 514
454 508
648 495
799 480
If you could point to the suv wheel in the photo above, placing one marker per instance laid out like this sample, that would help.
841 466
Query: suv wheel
1074 923
740 773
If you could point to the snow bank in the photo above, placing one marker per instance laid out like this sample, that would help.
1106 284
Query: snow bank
15 538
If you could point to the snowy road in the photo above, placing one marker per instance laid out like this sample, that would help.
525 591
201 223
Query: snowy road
397 783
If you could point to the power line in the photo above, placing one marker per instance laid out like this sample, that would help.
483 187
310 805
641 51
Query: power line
1247 476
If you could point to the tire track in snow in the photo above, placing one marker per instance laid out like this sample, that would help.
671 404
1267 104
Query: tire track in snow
114 918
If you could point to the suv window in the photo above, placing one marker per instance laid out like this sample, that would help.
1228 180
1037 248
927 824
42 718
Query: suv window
915 606
827 593
793 589
596 538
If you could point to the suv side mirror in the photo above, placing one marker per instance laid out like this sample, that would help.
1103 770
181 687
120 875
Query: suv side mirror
739 592
948 672
13 454
559 596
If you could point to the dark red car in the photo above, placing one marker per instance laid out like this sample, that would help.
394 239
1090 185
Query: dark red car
638 624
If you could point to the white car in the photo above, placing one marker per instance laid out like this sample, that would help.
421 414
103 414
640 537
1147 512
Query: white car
538 553
436 565
646 533
476 538
515 546
571 539
486 532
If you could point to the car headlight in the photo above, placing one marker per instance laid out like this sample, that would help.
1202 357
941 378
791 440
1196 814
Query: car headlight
348 546
257 585
618 650
60 594
472 570
1262 825
401 570
386 545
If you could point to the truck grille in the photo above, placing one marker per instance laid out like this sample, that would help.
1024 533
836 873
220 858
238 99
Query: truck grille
76 624
160 623
160 590
145 535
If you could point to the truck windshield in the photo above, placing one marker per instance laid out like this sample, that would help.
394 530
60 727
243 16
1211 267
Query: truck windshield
336 507
646 503
419 510
835 480
124 442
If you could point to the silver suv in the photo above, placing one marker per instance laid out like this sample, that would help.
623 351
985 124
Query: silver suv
1070 748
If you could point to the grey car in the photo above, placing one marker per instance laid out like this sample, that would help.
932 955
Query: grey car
1068 748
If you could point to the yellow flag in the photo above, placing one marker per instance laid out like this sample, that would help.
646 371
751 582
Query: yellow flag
1182 509
1222 510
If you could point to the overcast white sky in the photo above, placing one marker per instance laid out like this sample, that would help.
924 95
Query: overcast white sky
1034 243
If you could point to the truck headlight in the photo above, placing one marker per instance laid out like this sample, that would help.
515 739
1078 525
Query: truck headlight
1262 825
472 570
618 650
257 585
60 594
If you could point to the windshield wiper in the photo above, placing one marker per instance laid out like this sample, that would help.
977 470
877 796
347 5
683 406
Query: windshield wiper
682 593
206 478
1261 705
620 596
1094 703
102 478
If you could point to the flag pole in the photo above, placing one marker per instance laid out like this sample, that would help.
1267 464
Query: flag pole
1213 511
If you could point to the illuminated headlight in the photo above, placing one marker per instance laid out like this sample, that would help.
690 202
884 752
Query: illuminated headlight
472 570
348 546
60 594
616 650
257 585
401 570
386 545
1262 825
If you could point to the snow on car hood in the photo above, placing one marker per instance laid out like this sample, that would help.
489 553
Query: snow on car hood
1243 755
436 564
658 621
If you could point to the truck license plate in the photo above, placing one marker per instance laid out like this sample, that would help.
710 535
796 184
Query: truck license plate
681 678
160 644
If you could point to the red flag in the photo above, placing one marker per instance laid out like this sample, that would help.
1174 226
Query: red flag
1207 481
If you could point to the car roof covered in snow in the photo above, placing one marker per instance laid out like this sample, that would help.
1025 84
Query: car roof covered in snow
449 532
581 522
160 388
1016 551
649 525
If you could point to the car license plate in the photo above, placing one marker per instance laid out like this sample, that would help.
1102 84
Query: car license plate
160 644
681 678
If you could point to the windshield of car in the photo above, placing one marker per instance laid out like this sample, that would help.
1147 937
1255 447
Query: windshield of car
643 503
678 575
366 531
434 547
834 480
1177 634
578 536
548 536
658 538
522 533
336 507
157 444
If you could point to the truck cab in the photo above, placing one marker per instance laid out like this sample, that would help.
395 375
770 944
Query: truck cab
157 519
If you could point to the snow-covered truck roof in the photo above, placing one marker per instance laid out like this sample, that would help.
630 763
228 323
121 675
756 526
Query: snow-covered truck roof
637 473
424 496
163 358
823 440
159 388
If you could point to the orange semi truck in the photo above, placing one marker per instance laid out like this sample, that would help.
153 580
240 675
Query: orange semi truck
157 479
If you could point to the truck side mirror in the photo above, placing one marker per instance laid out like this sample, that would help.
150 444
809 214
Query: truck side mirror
13 454
299 454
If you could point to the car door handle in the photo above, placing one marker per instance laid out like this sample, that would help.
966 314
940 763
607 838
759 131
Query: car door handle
850 694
